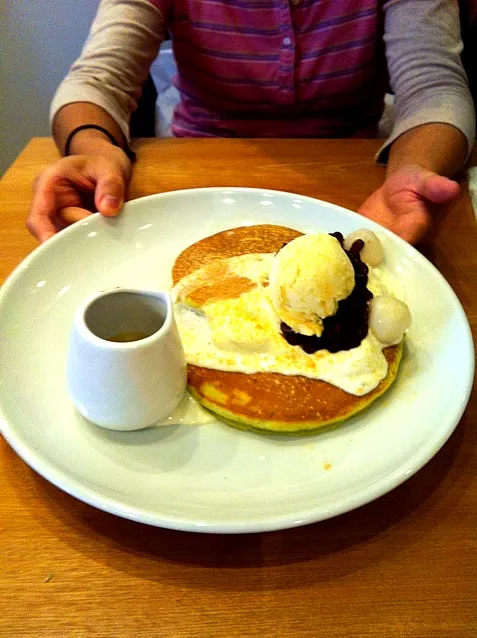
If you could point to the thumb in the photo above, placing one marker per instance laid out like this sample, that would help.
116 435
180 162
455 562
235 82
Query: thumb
436 188
110 190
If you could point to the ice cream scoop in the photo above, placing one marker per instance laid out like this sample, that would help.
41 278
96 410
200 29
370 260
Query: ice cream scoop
308 278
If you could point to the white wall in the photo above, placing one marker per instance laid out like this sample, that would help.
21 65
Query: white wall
39 39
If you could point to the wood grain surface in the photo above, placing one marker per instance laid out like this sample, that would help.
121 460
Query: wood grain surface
403 566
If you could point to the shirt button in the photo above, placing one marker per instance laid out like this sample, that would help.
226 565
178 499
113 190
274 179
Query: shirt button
287 41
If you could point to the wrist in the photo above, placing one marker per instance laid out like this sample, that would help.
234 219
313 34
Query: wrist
88 142
86 137
93 144
407 167
440 148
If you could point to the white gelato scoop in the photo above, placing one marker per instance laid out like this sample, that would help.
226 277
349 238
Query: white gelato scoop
308 277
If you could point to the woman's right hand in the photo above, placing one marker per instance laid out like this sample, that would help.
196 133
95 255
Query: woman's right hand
76 186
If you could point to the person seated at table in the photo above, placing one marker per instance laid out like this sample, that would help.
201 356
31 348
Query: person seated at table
268 68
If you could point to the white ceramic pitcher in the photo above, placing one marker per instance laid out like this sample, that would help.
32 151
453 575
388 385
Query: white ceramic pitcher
126 368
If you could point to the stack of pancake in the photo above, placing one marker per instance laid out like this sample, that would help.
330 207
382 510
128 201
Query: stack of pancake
262 401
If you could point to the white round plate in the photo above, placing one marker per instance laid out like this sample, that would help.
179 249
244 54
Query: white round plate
212 478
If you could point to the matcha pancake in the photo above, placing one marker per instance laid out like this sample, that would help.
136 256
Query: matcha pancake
211 272
245 240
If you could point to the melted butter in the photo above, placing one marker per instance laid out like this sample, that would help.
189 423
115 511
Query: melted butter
188 412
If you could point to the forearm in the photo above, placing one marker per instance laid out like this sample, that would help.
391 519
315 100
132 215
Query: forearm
428 80
88 140
441 148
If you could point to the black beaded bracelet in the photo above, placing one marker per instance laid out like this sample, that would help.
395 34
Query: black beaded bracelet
129 152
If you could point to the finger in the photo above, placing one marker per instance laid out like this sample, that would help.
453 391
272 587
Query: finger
438 189
110 190
71 214
40 219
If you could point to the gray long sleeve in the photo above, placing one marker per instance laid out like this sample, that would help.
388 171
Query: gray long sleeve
423 46
123 42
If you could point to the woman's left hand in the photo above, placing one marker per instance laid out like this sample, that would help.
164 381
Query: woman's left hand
405 200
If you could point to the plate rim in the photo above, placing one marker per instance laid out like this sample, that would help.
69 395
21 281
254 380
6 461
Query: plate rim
76 489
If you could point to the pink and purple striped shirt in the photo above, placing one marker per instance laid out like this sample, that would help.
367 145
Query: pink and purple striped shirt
275 67
282 68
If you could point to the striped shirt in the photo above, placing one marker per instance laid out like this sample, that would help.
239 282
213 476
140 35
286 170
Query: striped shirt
281 68
274 67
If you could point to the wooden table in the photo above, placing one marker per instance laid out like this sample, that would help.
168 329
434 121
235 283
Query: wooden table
403 566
